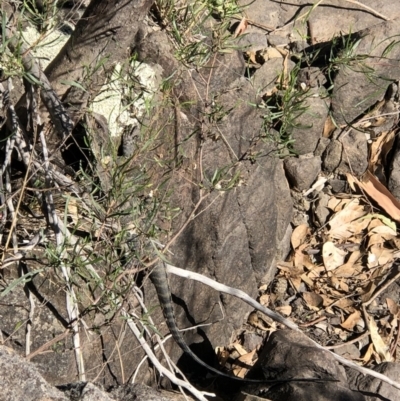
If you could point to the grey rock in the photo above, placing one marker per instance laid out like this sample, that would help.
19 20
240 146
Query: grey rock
290 354
302 172
277 40
140 392
321 210
227 68
394 178
364 81
264 12
243 396
238 234
299 218
311 77
338 186
375 389
21 380
321 146
253 41
354 153
93 393
309 125
156 48
332 156
302 207
298 46
252 340
265 78
349 351
313 392
328 21
84 391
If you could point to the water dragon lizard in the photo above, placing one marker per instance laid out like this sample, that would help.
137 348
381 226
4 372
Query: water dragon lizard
159 278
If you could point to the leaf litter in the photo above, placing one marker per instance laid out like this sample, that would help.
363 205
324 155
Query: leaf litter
332 282
336 271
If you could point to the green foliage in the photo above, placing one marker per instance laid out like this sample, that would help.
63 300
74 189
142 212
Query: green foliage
199 28
283 108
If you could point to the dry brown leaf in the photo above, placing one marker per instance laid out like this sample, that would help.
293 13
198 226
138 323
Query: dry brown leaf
313 300
392 306
379 149
376 149
285 310
345 304
72 207
326 300
308 264
379 256
337 204
295 280
335 284
285 266
346 222
271 92
379 345
352 181
348 270
367 291
252 57
343 286
329 127
241 28
374 223
307 280
299 235
282 51
333 257
271 52
351 320
370 351
255 320
300 258
293 274
316 272
380 194
247 359
239 348
264 300
378 240
222 355
387 232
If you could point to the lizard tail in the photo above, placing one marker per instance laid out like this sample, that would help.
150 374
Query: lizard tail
160 281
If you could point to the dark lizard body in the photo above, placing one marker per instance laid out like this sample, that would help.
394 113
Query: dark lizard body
160 280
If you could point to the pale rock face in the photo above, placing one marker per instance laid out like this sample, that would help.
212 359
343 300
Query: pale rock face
112 99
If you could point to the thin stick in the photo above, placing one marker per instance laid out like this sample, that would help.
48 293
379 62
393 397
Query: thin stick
47 345
288 323
371 10
231 291
381 289
354 340
256 24
163 371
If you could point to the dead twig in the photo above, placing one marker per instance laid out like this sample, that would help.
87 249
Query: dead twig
314 6
45 346
273 315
